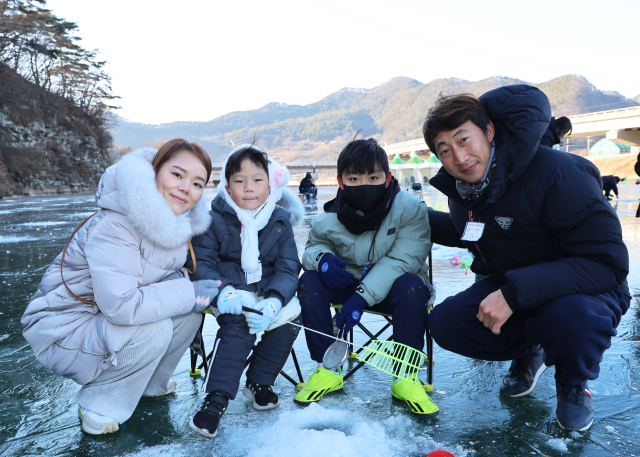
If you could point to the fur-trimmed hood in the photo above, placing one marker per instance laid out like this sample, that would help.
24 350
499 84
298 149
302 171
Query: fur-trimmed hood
129 188
291 203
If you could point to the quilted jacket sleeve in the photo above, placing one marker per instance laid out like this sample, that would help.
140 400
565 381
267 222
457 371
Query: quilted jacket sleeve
595 259
407 255
114 259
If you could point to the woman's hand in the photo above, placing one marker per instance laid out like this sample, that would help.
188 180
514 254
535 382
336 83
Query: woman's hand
205 290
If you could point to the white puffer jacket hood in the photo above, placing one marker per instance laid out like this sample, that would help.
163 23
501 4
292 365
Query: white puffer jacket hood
120 259
129 187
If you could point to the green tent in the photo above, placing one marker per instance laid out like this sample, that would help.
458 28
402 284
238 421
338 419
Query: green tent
433 159
397 161
606 147
414 159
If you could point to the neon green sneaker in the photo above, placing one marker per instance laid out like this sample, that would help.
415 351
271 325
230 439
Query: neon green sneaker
413 394
321 382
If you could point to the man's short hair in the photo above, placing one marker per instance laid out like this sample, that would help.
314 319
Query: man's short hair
449 113
362 156
234 162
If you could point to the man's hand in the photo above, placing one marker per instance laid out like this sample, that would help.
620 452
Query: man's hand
494 311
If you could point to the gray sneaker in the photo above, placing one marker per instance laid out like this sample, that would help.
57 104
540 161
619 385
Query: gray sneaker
96 424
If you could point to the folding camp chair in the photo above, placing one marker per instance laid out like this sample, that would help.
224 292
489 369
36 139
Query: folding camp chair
353 355
197 349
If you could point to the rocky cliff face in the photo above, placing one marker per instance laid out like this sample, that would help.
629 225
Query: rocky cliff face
47 144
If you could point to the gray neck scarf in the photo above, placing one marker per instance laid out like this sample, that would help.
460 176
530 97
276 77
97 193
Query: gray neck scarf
472 191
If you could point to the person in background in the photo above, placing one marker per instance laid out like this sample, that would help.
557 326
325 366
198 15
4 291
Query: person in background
541 231
249 247
308 187
122 311
366 251
610 183
558 129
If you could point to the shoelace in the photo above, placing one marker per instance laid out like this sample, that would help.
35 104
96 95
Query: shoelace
574 392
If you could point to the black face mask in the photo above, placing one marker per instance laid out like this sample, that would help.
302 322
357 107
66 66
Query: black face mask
364 198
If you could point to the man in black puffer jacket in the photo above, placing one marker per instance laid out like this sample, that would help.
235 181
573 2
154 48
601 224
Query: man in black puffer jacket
539 227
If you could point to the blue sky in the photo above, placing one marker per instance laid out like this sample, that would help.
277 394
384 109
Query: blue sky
196 60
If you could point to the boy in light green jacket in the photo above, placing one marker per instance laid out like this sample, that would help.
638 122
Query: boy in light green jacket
367 250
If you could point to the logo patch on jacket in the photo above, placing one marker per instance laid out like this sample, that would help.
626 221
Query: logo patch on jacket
391 231
504 222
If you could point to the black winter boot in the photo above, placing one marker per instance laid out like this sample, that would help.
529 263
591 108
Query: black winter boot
207 419
524 373
262 395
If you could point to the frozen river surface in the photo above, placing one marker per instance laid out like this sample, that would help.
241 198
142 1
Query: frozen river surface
38 409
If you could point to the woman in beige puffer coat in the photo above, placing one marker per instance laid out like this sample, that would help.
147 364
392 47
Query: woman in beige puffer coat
128 310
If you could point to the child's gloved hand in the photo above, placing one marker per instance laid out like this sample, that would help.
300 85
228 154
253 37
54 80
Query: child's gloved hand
269 308
332 273
205 290
230 301
351 312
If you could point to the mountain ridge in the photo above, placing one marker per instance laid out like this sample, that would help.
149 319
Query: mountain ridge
390 112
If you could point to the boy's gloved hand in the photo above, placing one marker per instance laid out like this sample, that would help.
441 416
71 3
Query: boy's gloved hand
332 273
230 301
351 312
205 290
269 307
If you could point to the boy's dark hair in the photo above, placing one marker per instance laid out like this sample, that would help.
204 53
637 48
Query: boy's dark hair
451 112
362 156
234 162
563 126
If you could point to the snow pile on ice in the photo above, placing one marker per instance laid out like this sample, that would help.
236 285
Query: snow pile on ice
314 431
559 444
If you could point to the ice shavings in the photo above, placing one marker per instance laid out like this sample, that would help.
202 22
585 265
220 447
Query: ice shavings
316 430
558 444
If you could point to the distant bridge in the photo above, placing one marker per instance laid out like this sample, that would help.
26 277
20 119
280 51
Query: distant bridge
619 125
406 148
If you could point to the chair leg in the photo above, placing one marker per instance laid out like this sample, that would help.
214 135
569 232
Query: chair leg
429 385
197 349
352 355
299 385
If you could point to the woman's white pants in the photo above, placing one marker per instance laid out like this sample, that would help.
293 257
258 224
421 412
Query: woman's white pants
145 366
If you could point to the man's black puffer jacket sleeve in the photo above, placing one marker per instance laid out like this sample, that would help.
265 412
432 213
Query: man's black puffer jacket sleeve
595 259
443 231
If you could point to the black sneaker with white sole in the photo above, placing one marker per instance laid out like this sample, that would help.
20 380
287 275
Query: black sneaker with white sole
262 395
524 373
207 419
575 407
